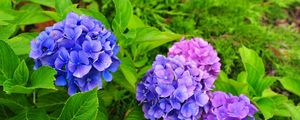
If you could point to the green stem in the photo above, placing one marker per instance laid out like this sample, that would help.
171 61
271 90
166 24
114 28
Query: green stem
34 96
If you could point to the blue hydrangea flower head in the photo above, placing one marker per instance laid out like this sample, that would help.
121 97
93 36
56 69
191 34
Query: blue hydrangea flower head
82 51
228 107
173 89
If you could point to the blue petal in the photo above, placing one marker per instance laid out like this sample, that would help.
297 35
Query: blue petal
82 70
115 64
72 88
60 81
107 76
103 62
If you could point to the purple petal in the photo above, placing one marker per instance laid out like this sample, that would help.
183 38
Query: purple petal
83 58
164 90
181 93
201 99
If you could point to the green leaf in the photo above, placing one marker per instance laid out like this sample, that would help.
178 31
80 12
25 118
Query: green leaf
52 101
8 62
62 5
121 80
123 15
31 114
255 70
6 31
30 14
135 22
21 43
49 3
15 102
43 78
102 114
4 16
149 38
273 104
20 78
129 71
135 114
294 111
81 106
5 4
223 83
54 15
292 84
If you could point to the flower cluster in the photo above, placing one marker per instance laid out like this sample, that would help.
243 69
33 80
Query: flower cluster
229 107
81 50
173 89
202 53
178 86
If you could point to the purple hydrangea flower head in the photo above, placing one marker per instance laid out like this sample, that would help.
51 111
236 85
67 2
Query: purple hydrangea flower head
203 54
228 107
173 89
81 49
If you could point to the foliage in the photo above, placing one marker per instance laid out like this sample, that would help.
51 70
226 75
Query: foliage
260 57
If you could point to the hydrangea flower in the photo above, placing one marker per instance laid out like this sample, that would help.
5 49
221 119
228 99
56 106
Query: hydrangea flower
81 50
203 54
228 107
173 89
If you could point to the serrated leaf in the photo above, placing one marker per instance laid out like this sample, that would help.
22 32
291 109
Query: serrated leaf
43 78
8 62
19 79
81 106
123 15
129 71
62 5
52 101
31 114
21 43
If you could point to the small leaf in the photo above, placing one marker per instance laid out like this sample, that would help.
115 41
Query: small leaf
8 62
43 78
62 5
81 106
123 15
129 71
21 43
31 114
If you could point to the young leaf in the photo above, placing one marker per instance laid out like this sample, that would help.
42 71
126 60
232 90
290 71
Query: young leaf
21 43
43 78
8 62
123 15
81 106
62 5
